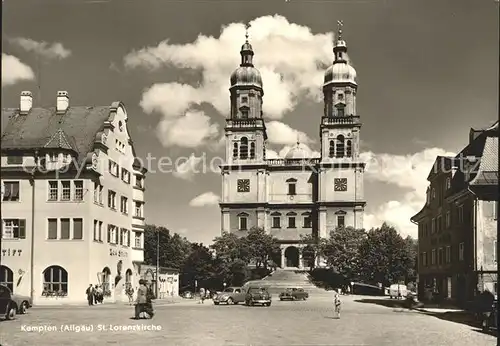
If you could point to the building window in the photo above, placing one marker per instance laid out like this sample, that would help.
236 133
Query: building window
340 220
276 220
55 279
139 182
124 205
98 193
433 193
138 209
433 257
461 248
96 230
291 220
78 190
448 183
52 229
244 148
65 228
439 223
14 229
128 237
244 99
77 229
14 160
440 256
292 186
433 226
340 149
11 191
340 110
424 259
137 240
252 150
112 199
307 220
125 176
243 221
331 149
53 190
495 244
460 214
113 168
448 254
7 277
235 150
244 114
340 97
121 240
66 190
349 148
448 219
112 234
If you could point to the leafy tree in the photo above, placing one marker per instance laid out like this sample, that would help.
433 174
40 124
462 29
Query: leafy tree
174 249
312 249
386 256
260 247
229 247
200 266
341 251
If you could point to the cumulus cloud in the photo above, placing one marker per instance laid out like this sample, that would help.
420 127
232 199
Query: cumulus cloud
282 134
290 58
44 49
408 172
205 199
189 131
187 169
13 70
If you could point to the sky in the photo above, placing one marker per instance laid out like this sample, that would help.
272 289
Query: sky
427 73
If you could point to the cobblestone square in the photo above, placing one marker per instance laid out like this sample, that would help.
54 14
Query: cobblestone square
284 323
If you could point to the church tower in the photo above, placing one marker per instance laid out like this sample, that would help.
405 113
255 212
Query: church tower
341 199
244 176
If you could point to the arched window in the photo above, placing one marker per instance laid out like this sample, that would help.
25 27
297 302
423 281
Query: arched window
340 109
106 275
292 186
291 219
235 150
55 279
349 148
307 220
276 220
7 277
243 221
340 149
331 149
252 150
244 148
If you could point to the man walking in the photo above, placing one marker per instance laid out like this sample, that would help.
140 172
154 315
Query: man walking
336 303
141 301
90 294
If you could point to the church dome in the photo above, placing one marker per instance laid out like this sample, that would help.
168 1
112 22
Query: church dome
299 151
246 76
340 73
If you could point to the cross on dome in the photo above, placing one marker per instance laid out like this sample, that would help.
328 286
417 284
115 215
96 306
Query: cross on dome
340 24
247 26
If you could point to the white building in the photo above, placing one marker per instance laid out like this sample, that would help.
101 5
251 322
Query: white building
72 201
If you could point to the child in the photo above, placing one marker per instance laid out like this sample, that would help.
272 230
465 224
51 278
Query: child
337 303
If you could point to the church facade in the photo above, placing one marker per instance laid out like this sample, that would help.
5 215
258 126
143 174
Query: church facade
298 195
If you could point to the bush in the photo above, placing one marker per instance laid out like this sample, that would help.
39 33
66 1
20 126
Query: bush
326 278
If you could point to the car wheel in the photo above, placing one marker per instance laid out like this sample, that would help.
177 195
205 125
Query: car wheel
230 301
268 304
281 299
11 314
216 303
23 309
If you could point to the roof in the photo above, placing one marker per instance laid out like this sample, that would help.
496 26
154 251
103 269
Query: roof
441 164
299 151
488 167
41 128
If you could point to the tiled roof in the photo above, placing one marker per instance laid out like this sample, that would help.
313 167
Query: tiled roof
43 128
488 167
441 164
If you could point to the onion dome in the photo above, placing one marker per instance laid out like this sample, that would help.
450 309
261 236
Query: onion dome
340 71
246 74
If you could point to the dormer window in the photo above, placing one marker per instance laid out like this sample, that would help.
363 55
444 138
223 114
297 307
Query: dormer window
292 187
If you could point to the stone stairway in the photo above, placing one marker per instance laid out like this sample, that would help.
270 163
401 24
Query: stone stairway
280 279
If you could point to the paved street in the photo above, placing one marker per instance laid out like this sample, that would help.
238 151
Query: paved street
284 323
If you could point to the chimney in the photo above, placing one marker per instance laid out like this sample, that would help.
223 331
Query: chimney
26 102
62 101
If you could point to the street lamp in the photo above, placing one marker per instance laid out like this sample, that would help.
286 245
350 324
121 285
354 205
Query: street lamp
157 260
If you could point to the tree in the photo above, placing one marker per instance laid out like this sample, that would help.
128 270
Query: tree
200 266
260 247
229 247
386 256
341 251
312 247
174 249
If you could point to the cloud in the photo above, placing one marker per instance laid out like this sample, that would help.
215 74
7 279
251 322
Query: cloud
282 134
290 58
408 172
205 199
44 49
13 70
187 169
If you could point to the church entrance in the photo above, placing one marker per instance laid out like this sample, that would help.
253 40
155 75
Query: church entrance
292 256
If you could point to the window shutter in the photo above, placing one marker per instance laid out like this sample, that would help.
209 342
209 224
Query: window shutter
22 229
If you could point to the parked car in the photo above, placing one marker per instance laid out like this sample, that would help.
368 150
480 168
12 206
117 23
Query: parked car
294 293
231 295
398 291
187 295
23 303
8 306
257 296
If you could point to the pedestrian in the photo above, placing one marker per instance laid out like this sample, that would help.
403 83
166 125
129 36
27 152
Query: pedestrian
336 305
202 295
141 300
130 294
90 294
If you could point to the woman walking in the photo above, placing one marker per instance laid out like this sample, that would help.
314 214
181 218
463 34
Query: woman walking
337 304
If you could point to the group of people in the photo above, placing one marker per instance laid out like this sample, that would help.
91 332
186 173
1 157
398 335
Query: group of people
95 294
204 294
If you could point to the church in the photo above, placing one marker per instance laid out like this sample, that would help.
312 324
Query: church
298 195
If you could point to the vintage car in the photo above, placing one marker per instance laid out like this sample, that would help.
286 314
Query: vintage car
23 303
294 293
8 306
230 295
257 296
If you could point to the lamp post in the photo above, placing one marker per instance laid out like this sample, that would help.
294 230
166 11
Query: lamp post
157 261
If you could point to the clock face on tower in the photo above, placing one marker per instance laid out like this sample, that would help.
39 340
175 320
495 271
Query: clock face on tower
243 185
340 184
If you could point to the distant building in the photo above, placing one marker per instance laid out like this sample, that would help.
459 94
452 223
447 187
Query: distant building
168 280
457 227
298 195
72 201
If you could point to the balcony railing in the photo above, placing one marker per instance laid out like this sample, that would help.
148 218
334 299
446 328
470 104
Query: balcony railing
244 123
293 162
346 120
